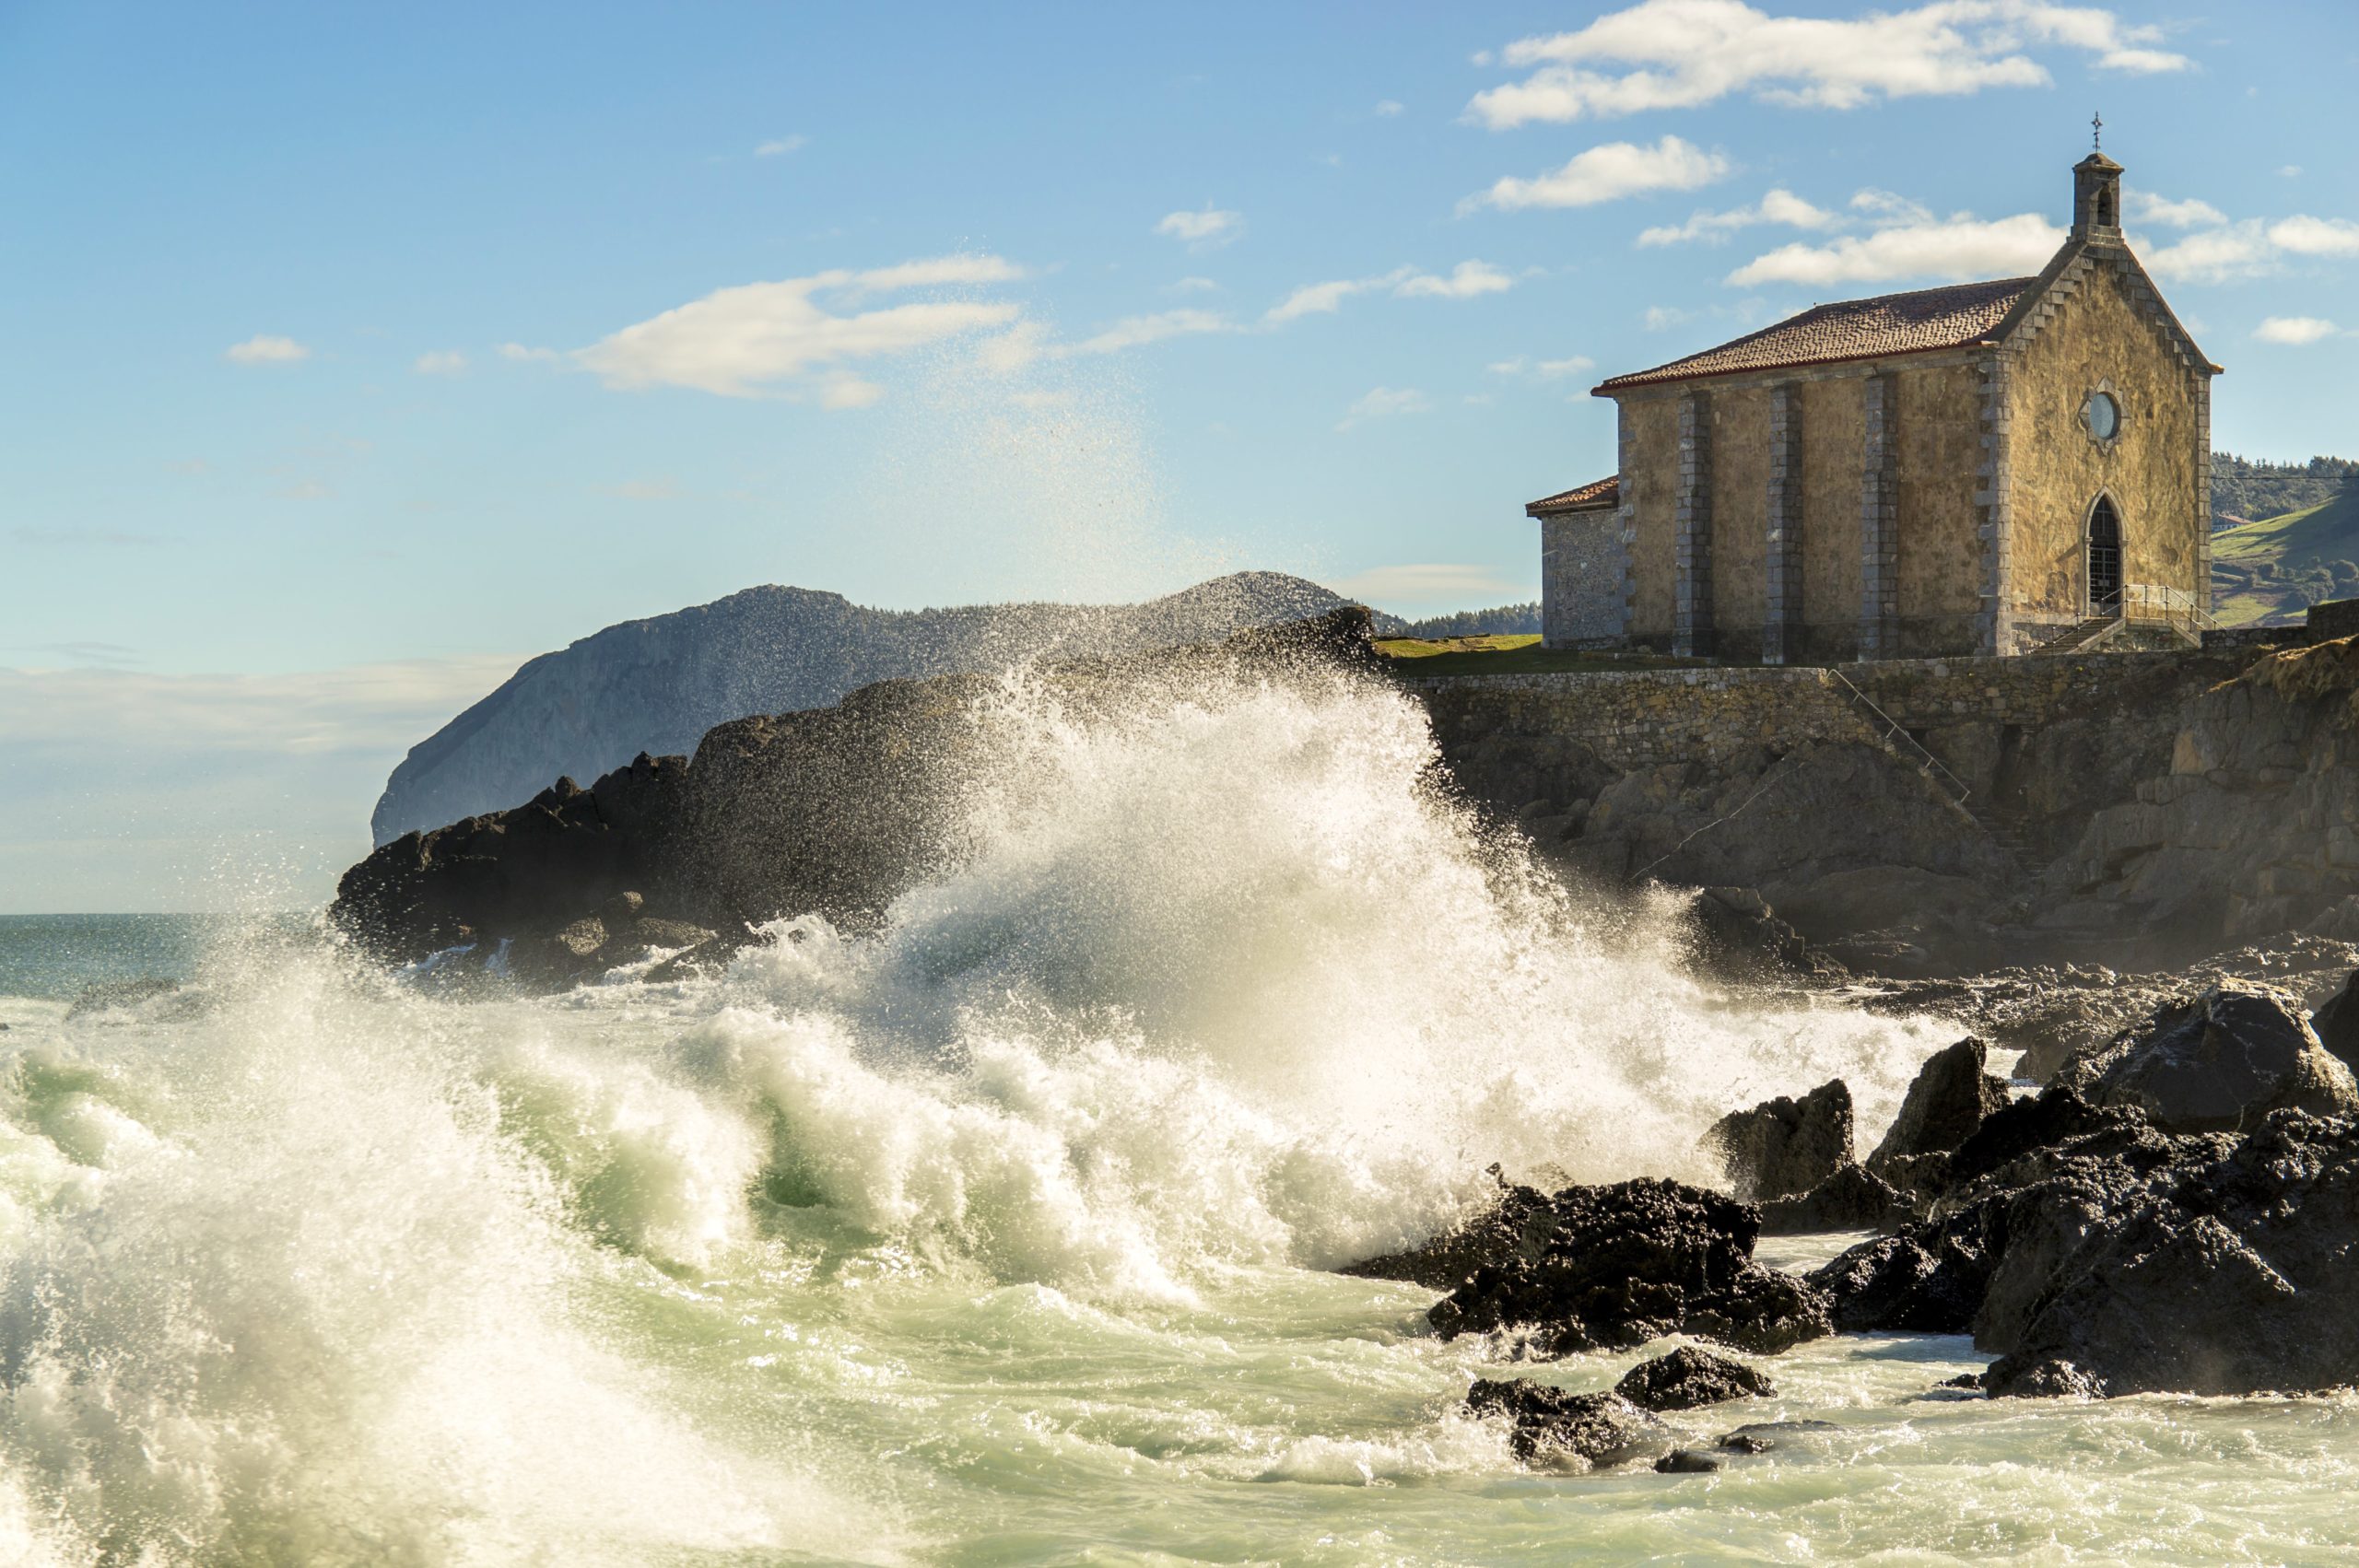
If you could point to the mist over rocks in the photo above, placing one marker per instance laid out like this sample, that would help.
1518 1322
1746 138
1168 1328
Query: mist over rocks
656 685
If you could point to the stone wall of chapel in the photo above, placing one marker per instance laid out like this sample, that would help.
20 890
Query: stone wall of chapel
1581 578
1939 531
1739 519
1833 435
1650 488
2153 469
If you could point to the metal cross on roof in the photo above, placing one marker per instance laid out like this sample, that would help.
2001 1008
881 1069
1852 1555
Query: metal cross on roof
2096 132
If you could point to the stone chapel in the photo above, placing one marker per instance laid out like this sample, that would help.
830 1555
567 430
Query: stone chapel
1986 468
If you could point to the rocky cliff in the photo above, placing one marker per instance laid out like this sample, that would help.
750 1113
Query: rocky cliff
832 810
656 685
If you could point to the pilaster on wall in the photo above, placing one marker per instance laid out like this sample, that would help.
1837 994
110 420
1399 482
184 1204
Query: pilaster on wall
2203 395
1691 605
1781 627
1626 452
1995 628
1879 523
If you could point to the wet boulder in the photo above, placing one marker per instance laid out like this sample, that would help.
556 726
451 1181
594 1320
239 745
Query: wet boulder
2221 1059
2337 1022
1689 1377
1513 1226
1930 1280
1784 1147
1852 1199
1599 1268
1945 1103
1552 1426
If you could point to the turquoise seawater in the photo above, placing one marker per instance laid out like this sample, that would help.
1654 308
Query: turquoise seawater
999 1235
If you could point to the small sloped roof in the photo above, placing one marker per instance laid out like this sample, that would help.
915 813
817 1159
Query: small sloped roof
1915 322
1595 496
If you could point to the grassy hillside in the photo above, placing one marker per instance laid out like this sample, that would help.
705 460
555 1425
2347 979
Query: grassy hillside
2276 569
1501 655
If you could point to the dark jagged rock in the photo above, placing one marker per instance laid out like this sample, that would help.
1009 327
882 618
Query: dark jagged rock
1745 1442
1689 1377
833 812
1735 934
1784 1147
2337 1022
2218 1060
1853 1198
1928 1281
1553 1426
1511 1228
1947 1101
1688 1462
1597 1268
2044 1121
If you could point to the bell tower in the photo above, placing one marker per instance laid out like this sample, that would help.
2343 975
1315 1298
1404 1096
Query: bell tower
2097 193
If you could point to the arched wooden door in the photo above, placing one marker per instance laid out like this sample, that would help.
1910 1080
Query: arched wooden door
2105 558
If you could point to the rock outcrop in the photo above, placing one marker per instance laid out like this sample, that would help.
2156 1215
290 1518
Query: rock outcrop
1784 1147
833 812
1687 1378
1603 1267
1552 1427
1946 1102
657 686
2217 1061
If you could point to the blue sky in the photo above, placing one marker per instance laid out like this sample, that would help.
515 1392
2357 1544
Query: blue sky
350 356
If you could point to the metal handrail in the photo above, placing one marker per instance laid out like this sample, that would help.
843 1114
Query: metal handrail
1926 760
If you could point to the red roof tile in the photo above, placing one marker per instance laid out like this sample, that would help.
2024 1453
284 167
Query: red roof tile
1596 495
1853 329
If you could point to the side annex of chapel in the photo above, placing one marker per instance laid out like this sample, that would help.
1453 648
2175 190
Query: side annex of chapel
1976 469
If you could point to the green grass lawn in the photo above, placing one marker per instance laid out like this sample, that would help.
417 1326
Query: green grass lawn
2267 569
1519 655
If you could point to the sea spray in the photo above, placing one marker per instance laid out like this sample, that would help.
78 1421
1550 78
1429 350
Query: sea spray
1222 986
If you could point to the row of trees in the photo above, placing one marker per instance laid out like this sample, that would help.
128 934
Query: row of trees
2242 487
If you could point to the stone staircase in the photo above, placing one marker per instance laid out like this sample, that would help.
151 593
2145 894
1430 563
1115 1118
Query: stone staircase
2083 637
2008 835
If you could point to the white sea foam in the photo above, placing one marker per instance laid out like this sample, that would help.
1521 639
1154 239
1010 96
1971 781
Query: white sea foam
1224 986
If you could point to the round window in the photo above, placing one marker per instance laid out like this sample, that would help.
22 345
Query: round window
2103 416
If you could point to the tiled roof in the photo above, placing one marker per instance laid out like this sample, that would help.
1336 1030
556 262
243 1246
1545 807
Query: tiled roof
1853 329
1595 496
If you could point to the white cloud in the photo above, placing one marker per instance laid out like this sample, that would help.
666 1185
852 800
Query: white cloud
1543 369
2294 330
2217 255
1386 403
1132 332
1679 53
1204 231
1608 174
440 362
1778 206
1465 281
2306 235
1388 108
743 341
1195 285
1658 317
1962 246
1428 582
781 146
264 349
2147 207
519 352
305 490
